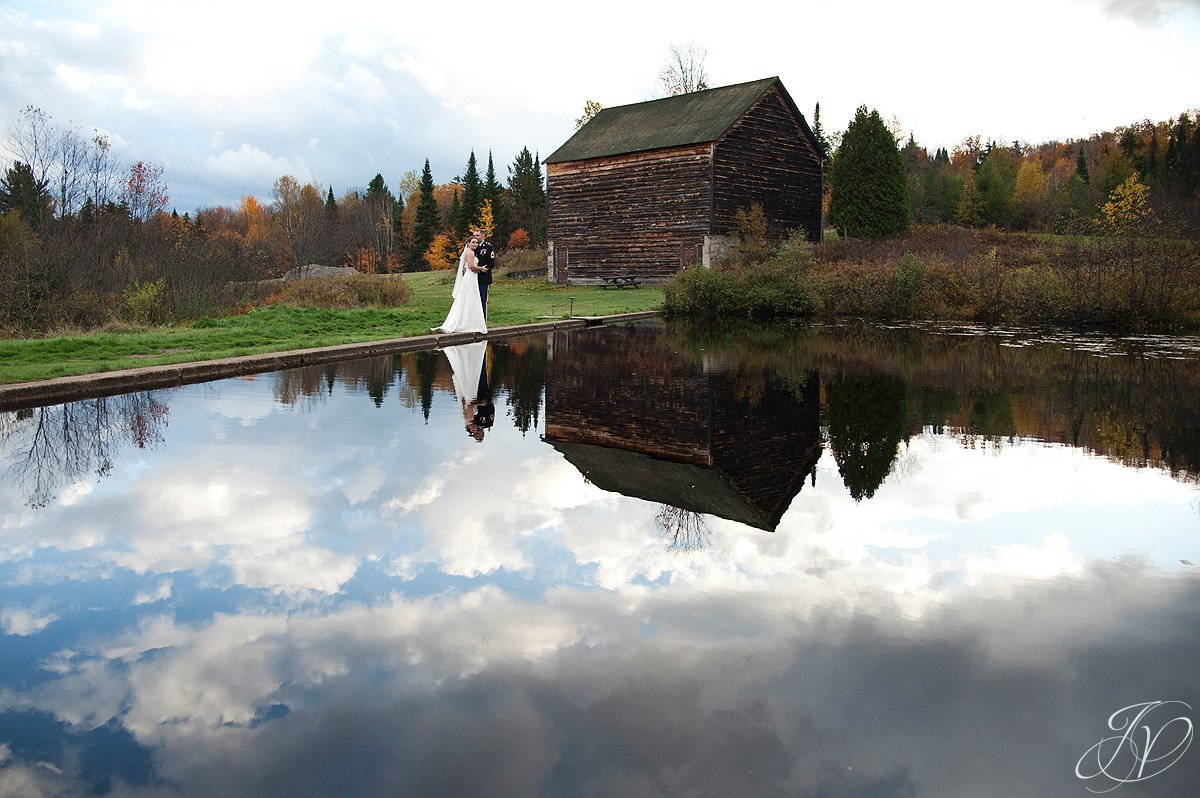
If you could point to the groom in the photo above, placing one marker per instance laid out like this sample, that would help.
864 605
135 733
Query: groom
485 253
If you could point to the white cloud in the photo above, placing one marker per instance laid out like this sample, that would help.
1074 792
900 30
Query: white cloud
250 164
24 621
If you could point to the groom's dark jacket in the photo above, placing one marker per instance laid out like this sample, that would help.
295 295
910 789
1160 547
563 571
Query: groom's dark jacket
485 253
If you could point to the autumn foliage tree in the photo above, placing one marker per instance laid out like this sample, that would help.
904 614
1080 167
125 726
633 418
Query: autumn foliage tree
519 239
144 193
1127 211
485 221
299 214
441 254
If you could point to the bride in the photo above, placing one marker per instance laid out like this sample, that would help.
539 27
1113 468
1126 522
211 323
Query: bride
466 312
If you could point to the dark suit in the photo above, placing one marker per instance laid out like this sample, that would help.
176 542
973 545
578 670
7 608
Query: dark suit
485 253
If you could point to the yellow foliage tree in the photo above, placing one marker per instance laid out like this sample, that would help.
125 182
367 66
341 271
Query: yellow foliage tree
590 109
1030 192
1128 209
252 218
486 221
441 253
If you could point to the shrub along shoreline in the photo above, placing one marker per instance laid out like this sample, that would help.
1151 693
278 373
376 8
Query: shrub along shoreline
958 274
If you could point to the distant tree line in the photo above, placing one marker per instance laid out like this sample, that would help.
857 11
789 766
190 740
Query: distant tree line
1060 187
1113 183
86 240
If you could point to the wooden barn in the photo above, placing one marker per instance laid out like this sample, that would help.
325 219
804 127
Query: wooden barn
650 188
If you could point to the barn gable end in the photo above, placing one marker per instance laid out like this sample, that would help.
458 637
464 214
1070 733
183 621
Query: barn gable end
769 156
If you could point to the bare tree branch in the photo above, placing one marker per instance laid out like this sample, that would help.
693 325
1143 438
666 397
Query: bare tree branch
684 72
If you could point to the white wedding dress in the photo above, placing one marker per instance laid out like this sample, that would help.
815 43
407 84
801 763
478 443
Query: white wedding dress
466 311
466 362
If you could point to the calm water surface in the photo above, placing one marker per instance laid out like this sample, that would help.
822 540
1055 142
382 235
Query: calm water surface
828 561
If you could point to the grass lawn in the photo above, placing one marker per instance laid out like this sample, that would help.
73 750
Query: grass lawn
277 328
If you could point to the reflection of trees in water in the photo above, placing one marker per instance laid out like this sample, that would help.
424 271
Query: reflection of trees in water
1135 404
520 371
867 417
50 447
683 530
517 370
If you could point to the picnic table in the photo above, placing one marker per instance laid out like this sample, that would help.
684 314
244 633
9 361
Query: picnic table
620 280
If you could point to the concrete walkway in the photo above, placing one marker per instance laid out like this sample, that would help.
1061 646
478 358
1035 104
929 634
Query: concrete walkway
88 386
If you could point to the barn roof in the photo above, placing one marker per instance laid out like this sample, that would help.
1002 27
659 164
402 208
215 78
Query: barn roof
693 118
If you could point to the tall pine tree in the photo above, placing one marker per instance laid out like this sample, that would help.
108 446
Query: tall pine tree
1081 168
427 224
472 197
822 144
494 192
456 221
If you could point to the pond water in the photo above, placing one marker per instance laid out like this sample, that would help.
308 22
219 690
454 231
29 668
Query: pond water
640 560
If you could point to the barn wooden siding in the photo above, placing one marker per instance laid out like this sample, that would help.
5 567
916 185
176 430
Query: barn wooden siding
629 214
768 158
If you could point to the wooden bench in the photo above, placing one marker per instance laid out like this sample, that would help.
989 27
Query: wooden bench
620 281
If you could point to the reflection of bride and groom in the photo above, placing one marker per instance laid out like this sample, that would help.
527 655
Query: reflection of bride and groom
468 362
468 312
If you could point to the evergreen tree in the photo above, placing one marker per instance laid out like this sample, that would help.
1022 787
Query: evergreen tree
527 196
21 192
331 208
494 192
1181 165
866 426
426 225
472 198
869 187
1193 162
823 145
539 228
398 220
1081 168
819 133
1152 155
456 220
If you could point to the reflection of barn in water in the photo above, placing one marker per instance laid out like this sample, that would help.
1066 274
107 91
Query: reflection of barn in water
640 419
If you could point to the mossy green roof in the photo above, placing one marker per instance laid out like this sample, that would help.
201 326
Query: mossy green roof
684 119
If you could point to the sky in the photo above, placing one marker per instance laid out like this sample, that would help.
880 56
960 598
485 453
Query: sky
229 96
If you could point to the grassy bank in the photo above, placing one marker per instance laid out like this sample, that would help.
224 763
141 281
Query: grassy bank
282 327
